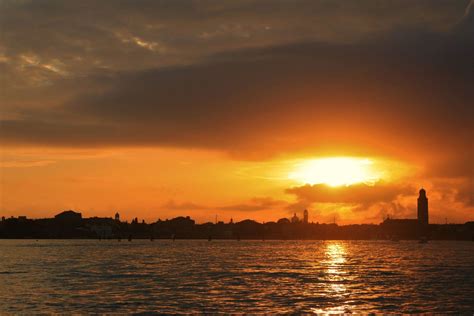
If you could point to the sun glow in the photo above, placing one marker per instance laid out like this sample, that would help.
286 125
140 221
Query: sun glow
335 171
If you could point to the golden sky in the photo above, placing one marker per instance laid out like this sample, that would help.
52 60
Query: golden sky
240 109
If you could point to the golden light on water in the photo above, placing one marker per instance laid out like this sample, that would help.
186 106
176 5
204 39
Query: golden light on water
335 276
335 253
335 171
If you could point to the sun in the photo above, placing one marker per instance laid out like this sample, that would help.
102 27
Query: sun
335 171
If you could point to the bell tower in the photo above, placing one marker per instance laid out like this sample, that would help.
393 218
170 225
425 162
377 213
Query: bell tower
422 208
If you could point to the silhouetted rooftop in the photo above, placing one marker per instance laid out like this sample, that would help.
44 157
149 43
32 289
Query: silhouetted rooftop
68 215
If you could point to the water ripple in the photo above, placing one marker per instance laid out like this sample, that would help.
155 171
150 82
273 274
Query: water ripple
88 276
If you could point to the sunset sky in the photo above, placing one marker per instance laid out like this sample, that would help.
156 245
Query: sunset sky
240 109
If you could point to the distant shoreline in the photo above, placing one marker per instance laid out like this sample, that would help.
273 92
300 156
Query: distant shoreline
71 225
233 240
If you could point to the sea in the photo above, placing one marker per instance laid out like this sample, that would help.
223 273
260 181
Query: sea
230 276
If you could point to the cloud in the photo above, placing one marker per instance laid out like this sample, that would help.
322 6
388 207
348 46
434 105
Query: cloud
353 194
356 203
465 193
252 205
456 193
25 164
286 96
93 35
257 204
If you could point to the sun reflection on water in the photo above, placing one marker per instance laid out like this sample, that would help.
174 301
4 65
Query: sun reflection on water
335 276
335 259
336 252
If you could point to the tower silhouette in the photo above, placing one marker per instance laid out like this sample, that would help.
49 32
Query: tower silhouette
305 216
422 208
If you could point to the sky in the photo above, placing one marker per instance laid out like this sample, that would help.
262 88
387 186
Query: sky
237 109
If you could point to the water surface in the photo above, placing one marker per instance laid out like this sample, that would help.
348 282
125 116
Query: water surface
51 276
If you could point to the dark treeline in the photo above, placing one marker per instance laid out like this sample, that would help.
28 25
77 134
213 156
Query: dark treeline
70 224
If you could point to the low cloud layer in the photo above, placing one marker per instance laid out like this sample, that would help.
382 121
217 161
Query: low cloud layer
354 194
252 205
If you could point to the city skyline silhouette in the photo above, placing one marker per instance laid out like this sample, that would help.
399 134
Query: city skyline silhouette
71 224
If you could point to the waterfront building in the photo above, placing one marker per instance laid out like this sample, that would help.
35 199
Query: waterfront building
295 219
422 208
305 216
69 216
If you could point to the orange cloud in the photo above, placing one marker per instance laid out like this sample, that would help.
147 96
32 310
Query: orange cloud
354 194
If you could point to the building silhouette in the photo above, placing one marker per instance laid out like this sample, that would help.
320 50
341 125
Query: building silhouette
295 219
422 208
411 228
69 216
117 217
283 221
305 216
422 213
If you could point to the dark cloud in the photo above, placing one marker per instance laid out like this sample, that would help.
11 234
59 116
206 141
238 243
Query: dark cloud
445 168
137 34
418 85
360 201
405 86
465 193
448 197
355 194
